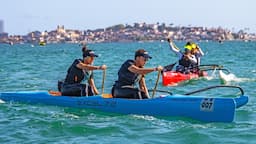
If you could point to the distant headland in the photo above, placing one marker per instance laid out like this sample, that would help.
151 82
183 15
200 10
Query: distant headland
129 33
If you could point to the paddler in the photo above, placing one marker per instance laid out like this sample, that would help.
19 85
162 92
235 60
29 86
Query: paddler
197 52
132 72
79 79
188 61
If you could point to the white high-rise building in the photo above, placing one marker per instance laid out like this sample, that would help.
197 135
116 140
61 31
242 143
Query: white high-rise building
1 26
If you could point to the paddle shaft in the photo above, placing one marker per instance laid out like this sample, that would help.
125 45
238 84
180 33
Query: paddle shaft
103 81
154 90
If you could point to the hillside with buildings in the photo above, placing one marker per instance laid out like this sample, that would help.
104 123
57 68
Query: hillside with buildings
128 33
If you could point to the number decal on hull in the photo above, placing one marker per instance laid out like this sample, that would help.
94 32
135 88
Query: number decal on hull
207 104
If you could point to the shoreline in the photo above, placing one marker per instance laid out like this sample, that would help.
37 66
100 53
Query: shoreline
140 32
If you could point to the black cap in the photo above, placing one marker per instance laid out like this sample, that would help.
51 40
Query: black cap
89 53
142 52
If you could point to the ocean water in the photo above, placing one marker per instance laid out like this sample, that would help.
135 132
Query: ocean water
32 68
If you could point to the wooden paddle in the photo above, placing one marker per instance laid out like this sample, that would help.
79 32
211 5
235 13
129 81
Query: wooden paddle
103 81
154 90
104 95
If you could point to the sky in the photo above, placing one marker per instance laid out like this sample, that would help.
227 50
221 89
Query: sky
23 16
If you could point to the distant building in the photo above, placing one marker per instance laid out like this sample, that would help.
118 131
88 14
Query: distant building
1 26
61 29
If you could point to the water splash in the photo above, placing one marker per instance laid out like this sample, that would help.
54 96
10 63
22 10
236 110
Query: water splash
227 78
212 75
1 101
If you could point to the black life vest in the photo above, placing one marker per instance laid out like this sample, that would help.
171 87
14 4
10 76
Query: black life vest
185 61
74 74
126 77
186 65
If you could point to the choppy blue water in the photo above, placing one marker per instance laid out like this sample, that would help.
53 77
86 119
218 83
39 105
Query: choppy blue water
24 67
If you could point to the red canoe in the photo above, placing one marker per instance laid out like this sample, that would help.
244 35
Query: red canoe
172 78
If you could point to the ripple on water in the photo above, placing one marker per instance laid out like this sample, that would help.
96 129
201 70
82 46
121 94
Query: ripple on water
38 68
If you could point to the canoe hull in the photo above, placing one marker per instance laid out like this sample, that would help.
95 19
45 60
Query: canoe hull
172 78
194 107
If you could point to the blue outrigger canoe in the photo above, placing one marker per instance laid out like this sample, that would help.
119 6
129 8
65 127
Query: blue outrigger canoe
195 107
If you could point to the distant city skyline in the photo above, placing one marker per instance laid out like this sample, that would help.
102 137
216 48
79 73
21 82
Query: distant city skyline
22 17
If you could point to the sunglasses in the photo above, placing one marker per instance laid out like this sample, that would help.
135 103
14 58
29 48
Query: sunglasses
145 59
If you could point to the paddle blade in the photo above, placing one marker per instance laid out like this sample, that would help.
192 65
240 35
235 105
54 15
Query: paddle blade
169 67
54 93
107 95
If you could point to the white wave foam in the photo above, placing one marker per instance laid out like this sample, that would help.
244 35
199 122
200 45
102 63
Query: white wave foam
212 75
150 118
226 78
1 101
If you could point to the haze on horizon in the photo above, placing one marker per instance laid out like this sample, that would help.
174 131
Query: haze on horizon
22 17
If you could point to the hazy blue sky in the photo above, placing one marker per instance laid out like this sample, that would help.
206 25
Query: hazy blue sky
23 16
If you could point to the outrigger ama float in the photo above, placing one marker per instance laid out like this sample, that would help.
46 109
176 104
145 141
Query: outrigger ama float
202 108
